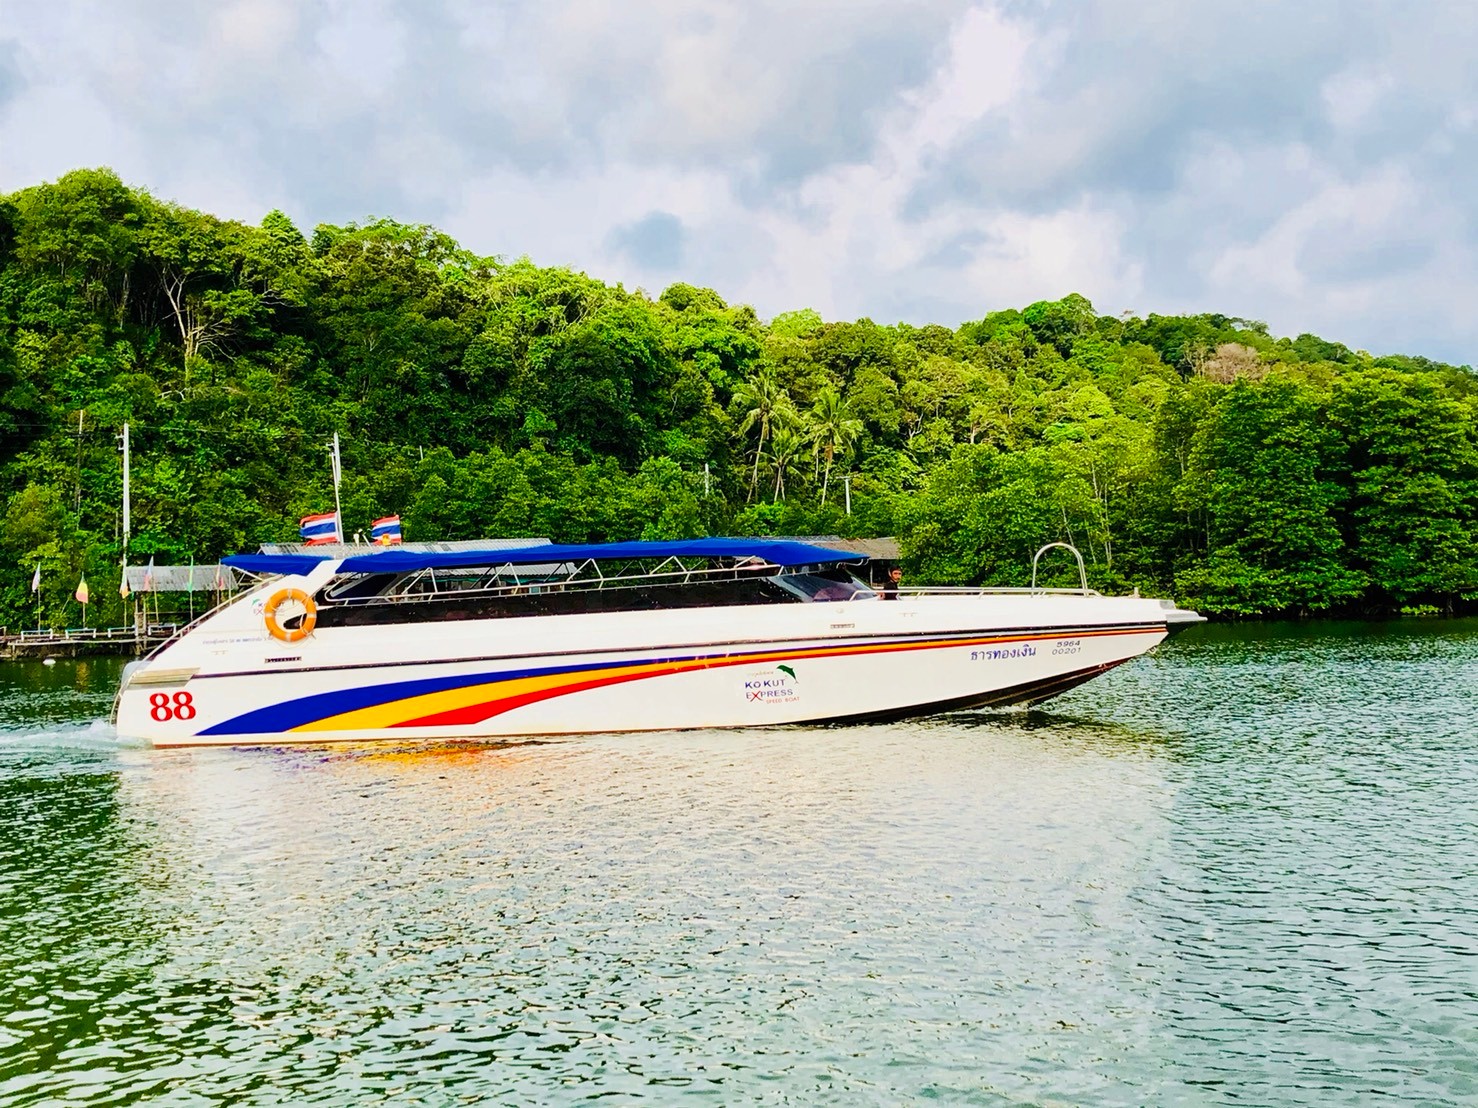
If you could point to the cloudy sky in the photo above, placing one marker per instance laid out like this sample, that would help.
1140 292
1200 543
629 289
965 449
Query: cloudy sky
1310 164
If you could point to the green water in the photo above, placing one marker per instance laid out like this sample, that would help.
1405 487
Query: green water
1243 871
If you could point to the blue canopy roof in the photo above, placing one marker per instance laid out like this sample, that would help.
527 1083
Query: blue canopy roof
273 563
391 560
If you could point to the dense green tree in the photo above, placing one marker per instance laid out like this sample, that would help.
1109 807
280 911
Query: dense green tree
982 515
1411 516
1060 323
479 396
1269 457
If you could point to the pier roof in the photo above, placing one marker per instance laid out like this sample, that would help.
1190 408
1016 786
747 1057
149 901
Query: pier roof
198 578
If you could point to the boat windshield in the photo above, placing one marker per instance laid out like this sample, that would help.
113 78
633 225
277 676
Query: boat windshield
830 584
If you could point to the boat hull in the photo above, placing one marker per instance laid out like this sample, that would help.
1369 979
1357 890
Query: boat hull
742 667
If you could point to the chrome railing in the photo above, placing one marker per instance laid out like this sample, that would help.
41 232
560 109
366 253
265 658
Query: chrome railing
991 590
1031 590
1082 569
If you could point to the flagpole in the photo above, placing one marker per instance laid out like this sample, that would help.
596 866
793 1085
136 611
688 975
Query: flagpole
148 587
338 476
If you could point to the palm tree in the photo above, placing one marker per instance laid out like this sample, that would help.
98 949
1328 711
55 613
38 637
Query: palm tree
833 431
766 402
787 441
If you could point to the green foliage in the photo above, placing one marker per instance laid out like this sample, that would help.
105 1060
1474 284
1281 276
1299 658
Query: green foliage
1271 499
797 324
1411 484
1060 322
477 396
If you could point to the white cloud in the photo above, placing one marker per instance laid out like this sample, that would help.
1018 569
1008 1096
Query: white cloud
1350 96
1307 164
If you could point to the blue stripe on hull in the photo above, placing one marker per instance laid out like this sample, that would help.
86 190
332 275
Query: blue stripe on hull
308 709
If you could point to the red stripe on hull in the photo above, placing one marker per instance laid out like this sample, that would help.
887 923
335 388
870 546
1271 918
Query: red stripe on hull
477 713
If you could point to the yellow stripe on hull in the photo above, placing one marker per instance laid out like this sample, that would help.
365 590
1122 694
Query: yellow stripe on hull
398 712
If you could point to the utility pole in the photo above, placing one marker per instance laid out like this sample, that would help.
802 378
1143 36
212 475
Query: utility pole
77 507
126 496
705 480
127 527
847 485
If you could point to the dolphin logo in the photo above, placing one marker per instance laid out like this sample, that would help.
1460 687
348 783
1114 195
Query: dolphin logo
787 669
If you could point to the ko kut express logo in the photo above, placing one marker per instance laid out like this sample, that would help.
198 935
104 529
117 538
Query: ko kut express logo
771 686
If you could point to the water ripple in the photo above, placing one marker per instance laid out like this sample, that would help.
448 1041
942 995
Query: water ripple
1240 871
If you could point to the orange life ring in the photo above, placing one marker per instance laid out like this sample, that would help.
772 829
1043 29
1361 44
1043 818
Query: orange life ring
304 628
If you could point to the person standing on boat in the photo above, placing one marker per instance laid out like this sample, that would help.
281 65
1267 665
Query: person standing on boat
889 591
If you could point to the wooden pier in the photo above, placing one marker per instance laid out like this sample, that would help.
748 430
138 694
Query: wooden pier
77 642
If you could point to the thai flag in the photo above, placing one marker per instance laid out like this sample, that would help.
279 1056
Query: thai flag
320 529
386 532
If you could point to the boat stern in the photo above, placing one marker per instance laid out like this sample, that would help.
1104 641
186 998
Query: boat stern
153 701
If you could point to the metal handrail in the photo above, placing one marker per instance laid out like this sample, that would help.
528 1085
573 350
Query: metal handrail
991 590
79 633
180 630
1082 569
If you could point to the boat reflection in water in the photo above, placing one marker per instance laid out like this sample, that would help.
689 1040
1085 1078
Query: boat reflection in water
552 640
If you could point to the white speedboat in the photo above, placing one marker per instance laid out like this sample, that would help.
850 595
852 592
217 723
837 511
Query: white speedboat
558 640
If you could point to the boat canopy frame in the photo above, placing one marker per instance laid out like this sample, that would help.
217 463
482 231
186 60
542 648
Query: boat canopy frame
591 574
780 552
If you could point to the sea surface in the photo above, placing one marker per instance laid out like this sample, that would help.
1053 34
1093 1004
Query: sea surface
1243 870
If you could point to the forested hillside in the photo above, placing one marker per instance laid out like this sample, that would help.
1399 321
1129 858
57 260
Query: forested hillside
1198 456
